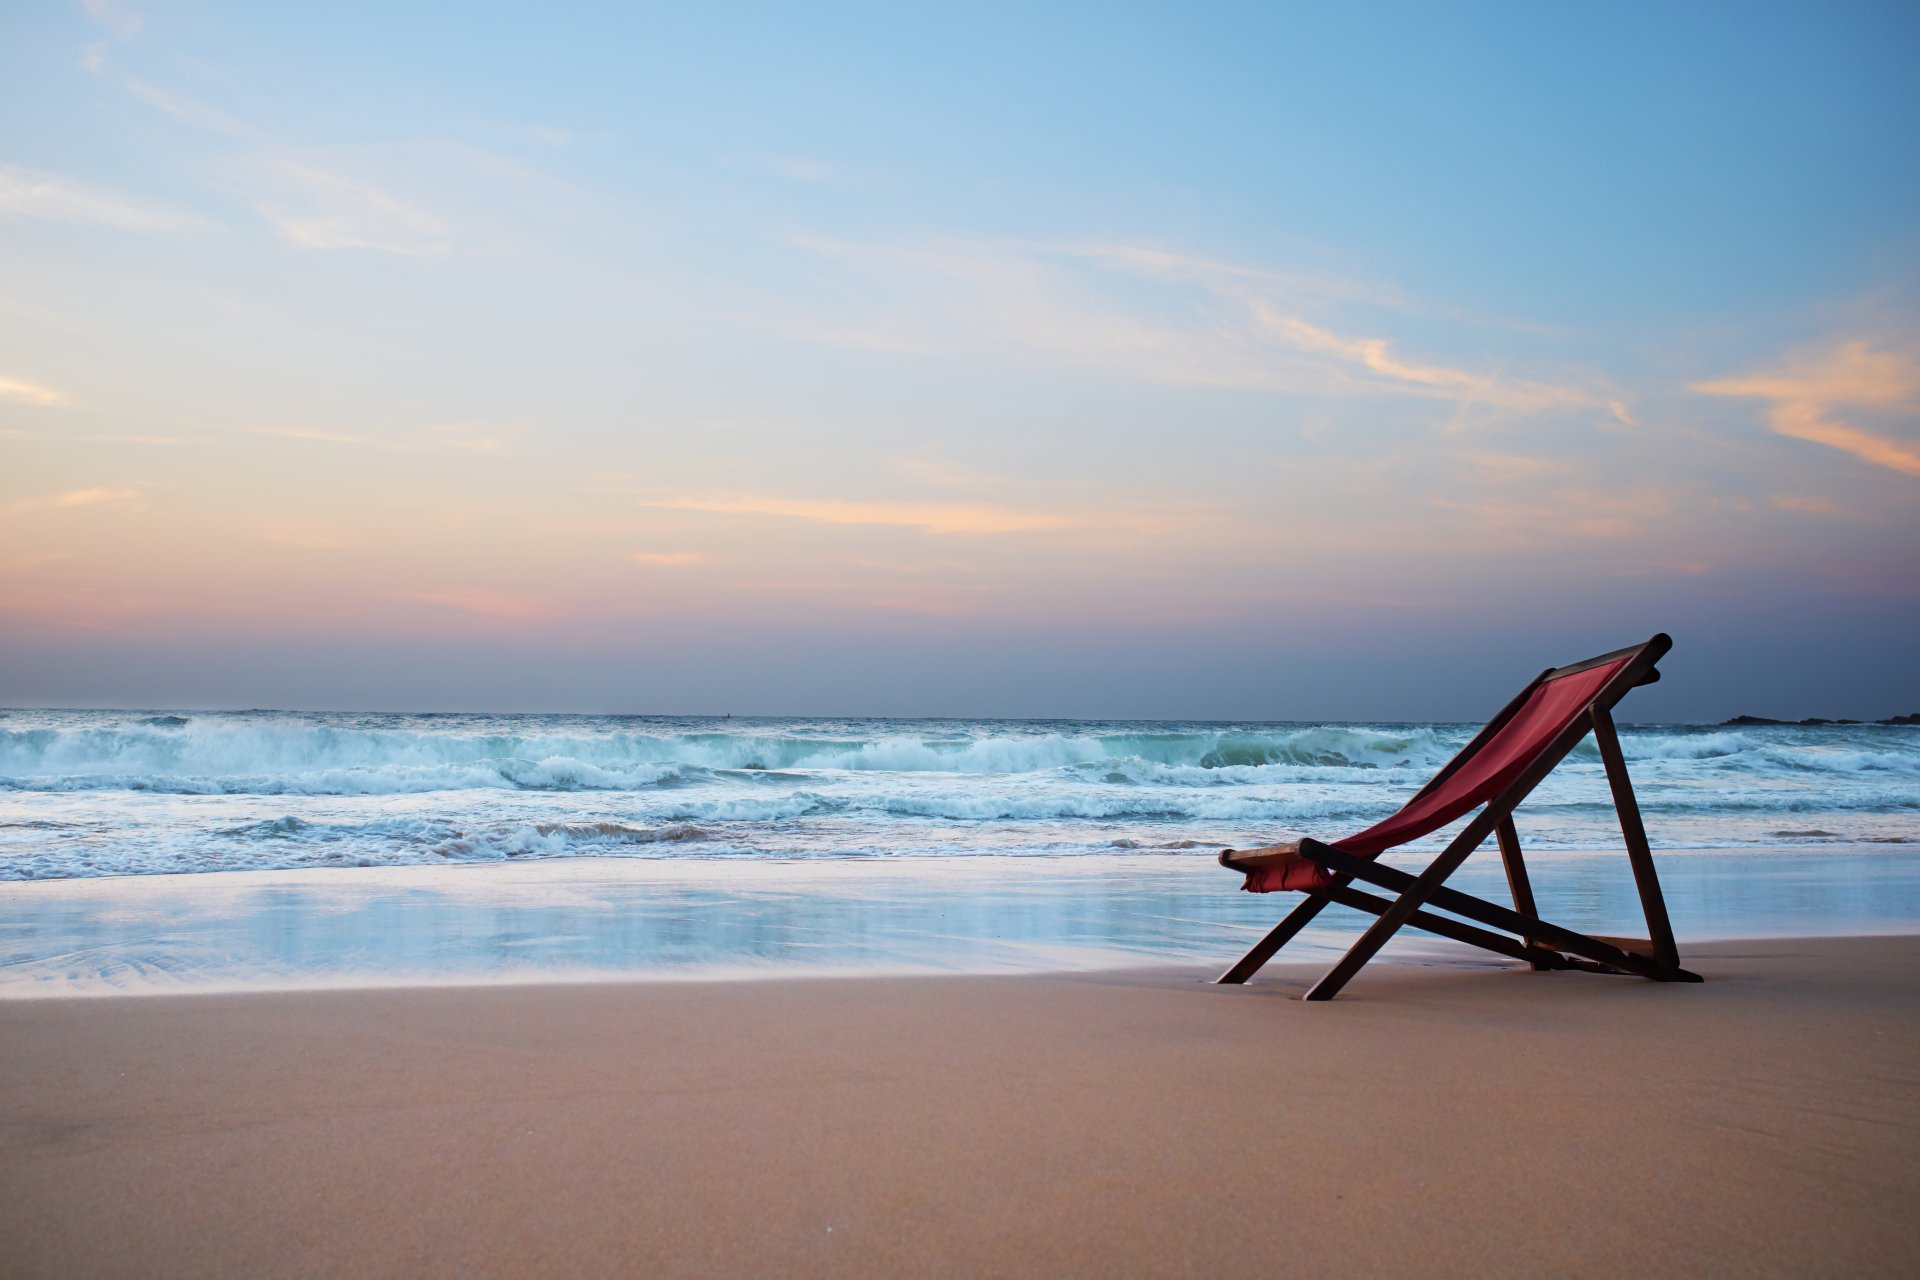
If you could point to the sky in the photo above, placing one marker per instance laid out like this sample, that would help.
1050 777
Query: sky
1252 362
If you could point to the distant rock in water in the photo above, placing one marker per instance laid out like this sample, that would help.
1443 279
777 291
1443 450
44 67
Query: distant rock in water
1913 718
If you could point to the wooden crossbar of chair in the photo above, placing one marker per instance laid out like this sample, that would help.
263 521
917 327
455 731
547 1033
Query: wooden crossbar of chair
1537 942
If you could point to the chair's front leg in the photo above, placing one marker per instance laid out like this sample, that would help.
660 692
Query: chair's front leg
1281 934
1392 920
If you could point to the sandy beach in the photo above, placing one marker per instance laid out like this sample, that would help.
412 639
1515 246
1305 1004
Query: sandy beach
1449 1119
683 641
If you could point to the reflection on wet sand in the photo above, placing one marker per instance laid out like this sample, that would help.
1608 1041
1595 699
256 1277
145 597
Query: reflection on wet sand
595 919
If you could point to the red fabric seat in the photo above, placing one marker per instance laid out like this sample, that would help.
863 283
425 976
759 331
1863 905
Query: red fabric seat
1553 705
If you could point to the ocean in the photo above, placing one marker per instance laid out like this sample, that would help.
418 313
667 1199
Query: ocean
106 793
188 850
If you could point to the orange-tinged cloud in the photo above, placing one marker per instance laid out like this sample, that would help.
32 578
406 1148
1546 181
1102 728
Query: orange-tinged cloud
305 433
932 517
1230 326
1569 514
95 497
1852 373
667 559
1376 356
20 391
1806 422
92 497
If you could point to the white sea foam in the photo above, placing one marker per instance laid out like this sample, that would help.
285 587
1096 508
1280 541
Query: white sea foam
213 754
103 793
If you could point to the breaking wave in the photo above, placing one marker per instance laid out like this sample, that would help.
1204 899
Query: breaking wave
305 755
211 755
106 793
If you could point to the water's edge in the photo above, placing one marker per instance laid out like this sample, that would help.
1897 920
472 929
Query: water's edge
599 920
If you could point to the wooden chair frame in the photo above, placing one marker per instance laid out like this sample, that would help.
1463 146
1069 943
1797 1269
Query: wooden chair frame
1541 944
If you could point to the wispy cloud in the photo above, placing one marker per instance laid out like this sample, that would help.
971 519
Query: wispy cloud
462 437
1149 315
308 433
100 496
1809 422
168 102
387 197
1805 389
104 437
315 207
1570 513
20 391
667 559
1236 278
930 517
1390 373
185 110
122 21
28 193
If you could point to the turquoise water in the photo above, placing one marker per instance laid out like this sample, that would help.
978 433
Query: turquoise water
156 850
118 793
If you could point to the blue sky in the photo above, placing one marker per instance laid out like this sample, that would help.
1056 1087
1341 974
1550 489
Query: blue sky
1033 360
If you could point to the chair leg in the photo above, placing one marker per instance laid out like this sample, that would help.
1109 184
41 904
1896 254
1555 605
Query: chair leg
1652 901
1455 930
1281 934
1390 922
1517 881
1492 914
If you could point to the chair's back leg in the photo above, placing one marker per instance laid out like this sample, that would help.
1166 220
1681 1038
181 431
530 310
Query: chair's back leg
1652 901
1281 934
1517 875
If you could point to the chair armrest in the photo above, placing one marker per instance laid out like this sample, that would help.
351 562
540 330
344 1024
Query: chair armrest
1254 859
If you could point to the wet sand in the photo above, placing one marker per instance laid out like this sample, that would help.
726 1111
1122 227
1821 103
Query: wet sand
1450 1119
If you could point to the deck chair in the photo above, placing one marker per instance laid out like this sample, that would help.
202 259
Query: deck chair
1492 773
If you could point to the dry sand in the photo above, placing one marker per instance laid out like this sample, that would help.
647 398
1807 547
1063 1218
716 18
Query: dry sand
1448 1120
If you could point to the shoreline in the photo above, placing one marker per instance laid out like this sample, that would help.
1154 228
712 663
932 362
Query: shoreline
1480 1119
603 921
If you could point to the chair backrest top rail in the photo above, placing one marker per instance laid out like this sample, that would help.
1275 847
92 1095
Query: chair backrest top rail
1441 800
1659 644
